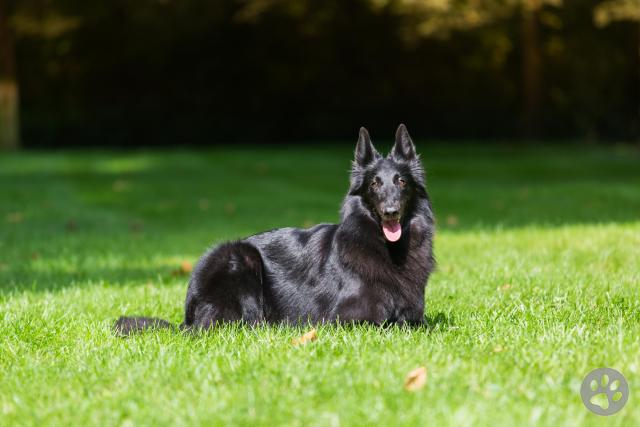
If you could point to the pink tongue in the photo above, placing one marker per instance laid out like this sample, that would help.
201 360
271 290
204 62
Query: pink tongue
392 230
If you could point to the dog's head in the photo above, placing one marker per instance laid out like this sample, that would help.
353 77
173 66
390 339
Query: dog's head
388 186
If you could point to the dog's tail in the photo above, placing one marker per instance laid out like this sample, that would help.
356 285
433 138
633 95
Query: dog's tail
126 326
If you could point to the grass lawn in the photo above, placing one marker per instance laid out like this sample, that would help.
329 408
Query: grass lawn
538 280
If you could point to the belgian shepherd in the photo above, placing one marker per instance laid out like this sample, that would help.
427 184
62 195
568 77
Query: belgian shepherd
372 267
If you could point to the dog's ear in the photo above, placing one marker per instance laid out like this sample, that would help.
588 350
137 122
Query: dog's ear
365 151
403 149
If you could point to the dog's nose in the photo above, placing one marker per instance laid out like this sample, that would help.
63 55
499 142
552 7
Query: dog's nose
391 212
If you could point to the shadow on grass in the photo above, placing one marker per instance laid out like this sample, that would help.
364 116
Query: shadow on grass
57 279
439 322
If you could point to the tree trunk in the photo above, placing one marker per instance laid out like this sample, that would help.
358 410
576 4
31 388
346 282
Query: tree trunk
531 69
9 96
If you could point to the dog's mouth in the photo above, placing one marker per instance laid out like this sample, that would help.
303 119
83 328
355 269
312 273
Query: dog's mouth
392 230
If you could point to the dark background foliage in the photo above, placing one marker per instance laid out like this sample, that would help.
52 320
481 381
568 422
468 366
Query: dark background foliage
157 72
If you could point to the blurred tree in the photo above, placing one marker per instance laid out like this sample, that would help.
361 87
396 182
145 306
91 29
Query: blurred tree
611 11
9 120
439 17
154 72
531 67
36 18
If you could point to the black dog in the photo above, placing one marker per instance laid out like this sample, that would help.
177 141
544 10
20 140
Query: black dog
372 267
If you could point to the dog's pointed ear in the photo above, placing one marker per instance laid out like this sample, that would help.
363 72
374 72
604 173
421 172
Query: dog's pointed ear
403 149
365 151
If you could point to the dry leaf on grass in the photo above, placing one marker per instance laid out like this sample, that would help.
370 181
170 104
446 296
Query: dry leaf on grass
312 335
230 208
14 217
135 226
203 204
185 269
120 185
71 226
416 379
452 220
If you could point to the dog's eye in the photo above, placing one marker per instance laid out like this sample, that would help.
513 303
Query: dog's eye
402 183
373 184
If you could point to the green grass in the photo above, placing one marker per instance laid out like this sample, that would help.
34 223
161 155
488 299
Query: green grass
88 236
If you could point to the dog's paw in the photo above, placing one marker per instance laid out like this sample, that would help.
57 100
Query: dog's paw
605 392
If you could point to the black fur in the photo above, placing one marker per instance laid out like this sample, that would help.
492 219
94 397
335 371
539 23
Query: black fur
331 272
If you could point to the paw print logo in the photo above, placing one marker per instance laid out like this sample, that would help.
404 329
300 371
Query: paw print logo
604 391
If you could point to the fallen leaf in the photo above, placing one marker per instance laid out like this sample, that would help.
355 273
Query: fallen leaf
230 208
14 217
71 225
120 185
135 226
416 379
452 220
185 269
498 349
312 335
505 287
203 204
186 266
262 168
